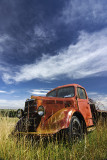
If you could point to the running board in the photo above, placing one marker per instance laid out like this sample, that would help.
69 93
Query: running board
92 128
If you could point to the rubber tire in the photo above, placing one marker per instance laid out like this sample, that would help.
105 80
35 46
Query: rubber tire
19 126
75 129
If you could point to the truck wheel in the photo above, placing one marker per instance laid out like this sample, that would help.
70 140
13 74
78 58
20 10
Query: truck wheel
19 126
75 129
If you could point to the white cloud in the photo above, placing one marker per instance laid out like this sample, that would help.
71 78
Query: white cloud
39 92
6 78
3 40
11 104
88 11
7 92
11 92
2 68
2 91
39 32
42 35
88 57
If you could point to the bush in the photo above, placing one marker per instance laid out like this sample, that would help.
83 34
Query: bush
8 113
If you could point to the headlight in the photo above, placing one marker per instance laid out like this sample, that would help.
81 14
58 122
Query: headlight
19 113
41 111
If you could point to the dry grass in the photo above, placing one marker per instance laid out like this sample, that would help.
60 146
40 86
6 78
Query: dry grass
93 147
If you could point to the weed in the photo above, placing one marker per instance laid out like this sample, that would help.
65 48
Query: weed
92 147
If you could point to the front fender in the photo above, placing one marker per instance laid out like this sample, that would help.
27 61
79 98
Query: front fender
59 120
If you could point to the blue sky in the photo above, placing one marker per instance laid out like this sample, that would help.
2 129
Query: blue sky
45 44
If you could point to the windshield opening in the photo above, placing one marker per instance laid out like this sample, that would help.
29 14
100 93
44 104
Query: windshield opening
51 94
66 92
62 92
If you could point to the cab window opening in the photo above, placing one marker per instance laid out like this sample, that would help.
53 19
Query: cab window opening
66 92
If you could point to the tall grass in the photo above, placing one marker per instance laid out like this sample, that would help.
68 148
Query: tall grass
92 147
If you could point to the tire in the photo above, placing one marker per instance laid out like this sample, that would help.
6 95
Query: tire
75 130
20 126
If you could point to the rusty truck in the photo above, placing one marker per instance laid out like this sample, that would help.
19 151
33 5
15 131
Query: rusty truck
65 108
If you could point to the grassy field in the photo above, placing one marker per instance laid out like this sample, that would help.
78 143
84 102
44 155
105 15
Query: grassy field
93 147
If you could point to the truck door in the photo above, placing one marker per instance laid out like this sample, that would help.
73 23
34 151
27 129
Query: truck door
84 106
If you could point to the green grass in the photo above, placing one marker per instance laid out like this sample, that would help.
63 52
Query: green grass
92 147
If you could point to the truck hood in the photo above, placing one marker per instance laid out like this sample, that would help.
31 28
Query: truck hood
52 104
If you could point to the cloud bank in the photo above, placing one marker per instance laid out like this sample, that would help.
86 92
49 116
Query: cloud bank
88 57
94 12
39 92
11 104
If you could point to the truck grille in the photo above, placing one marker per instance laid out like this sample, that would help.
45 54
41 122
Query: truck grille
31 119
30 107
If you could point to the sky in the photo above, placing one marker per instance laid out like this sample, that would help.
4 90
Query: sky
45 44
